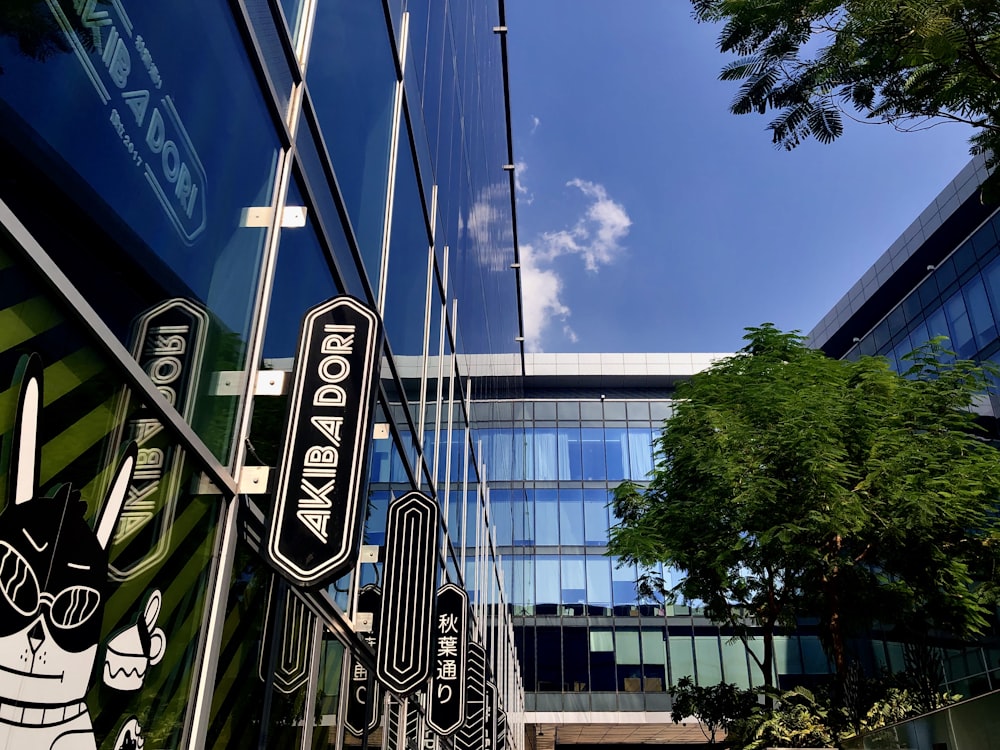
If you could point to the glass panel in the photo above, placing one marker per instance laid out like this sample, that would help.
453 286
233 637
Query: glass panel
599 585
331 662
302 278
595 516
500 505
146 171
549 659
616 447
547 593
984 325
734 661
570 466
640 444
706 649
352 70
571 517
623 588
575 660
574 585
546 515
681 658
961 330
592 445
602 659
545 452
654 647
814 659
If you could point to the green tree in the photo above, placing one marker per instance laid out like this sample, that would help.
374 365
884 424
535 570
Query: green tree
907 63
716 707
790 484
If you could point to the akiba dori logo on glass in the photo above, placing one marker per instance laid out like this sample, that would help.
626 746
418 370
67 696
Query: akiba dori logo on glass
122 68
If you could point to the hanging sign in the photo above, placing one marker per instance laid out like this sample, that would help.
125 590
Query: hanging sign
446 702
490 717
360 705
168 342
470 734
501 729
409 572
315 530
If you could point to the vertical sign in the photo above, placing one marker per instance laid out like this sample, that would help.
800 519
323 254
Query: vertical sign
490 717
446 702
501 729
315 530
470 734
408 601
360 705
168 342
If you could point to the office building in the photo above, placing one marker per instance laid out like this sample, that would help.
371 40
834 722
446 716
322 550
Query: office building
180 182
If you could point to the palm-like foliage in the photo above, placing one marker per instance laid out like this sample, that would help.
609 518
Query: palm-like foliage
908 63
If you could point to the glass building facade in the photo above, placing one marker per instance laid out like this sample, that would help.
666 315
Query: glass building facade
181 182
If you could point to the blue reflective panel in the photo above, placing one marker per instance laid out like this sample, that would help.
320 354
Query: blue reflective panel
623 591
472 520
595 517
546 517
571 516
406 284
991 276
640 446
455 516
499 454
961 330
573 594
547 591
543 446
616 449
592 448
351 71
599 585
302 279
524 519
375 518
570 457
500 506
984 324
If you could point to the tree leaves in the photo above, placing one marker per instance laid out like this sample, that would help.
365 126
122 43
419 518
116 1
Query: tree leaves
899 62
789 484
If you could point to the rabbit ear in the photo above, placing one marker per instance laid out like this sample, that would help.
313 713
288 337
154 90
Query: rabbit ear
24 452
108 519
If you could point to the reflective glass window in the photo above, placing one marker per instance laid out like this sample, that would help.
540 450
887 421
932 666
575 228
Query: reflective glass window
595 517
734 662
984 324
570 459
549 664
571 516
640 451
302 278
546 517
351 71
406 284
593 462
616 447
681 650
500 505
709 664
787 659
576 649
573 595
541 442
547 591
961 329
623 591
602 659
599 585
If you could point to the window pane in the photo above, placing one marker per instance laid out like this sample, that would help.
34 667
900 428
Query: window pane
574 585
571 516
547 593
599 584
595 516
616 448
592 445
547 517
706 649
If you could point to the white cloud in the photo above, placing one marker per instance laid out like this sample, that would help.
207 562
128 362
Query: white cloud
596 237
535 122
523 196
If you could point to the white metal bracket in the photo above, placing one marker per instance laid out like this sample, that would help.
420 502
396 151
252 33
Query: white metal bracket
292 217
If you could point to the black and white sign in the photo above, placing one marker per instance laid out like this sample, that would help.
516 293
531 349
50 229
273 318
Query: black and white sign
446 701
408 602
360 705
490 717
168 342
317 519
470 734
501 729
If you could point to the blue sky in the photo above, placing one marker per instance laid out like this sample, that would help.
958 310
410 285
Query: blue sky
651 219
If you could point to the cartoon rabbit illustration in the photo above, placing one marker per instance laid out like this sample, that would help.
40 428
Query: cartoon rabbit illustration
53 580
